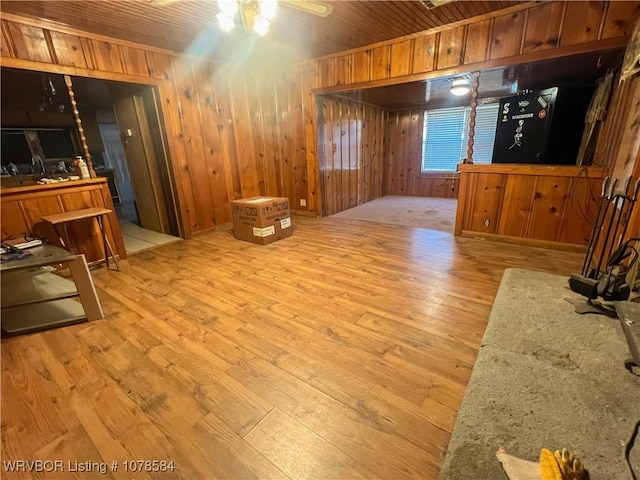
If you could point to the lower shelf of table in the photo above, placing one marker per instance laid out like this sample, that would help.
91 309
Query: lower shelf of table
42 316
34 286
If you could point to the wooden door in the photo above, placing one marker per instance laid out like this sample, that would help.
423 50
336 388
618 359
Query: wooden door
142 156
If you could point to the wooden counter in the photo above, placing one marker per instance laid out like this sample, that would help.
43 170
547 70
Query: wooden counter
21 210
539 205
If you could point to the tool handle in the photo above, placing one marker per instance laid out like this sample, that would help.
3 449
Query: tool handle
612 188
636 189
625 187
605 184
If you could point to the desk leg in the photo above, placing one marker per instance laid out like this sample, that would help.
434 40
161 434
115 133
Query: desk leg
62 238
86 288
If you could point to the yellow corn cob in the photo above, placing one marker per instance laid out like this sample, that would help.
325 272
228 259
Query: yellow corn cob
549 469
569 464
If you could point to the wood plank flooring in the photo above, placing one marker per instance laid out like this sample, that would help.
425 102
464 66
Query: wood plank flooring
340 352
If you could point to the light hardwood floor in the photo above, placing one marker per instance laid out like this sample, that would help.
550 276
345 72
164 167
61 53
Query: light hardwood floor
340 352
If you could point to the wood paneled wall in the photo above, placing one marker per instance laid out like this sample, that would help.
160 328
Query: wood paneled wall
231 134
537 30
228 134
619 146
351 153
237 136
543 204
403 159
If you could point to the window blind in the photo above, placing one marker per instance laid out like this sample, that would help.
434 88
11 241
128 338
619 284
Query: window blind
443 138
485 132
446 136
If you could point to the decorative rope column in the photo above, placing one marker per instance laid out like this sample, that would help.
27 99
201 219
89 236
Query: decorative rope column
472 115
76 116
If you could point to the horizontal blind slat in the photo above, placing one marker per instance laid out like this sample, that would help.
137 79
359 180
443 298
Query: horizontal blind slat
446 136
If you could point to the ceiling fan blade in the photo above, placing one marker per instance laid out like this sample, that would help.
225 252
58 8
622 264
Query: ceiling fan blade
431 4
315 8
158 3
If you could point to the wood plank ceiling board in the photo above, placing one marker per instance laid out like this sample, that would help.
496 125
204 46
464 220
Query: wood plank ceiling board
187 24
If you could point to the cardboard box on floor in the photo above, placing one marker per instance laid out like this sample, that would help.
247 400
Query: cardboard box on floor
261 220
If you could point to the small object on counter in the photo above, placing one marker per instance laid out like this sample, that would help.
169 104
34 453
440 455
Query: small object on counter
61 167
13 169
81 167
46 181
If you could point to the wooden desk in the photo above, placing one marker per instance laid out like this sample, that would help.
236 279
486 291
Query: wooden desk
77 215
34 298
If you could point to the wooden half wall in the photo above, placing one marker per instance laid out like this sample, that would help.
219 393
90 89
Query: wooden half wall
232 134
539 205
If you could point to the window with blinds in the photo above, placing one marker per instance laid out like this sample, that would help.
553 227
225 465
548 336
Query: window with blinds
446 136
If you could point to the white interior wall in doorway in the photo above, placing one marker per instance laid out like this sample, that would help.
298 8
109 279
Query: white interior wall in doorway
114 157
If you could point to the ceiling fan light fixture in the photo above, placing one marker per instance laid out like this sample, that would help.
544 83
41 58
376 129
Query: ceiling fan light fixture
268 8
228 7
225 21
261 25
460 87
316 8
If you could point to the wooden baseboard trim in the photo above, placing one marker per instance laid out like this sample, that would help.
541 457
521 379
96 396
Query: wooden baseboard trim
222 227
529 242
305 213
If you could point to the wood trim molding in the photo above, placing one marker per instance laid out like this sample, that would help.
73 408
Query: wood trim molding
64 28
537 170
30 191
76 71
530 242
431 31
595 46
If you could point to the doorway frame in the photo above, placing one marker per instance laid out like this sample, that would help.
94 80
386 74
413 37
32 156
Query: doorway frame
164 154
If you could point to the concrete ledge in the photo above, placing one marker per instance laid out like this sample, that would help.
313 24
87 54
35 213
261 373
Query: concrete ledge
545 377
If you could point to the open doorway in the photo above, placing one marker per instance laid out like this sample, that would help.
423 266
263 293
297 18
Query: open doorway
124 134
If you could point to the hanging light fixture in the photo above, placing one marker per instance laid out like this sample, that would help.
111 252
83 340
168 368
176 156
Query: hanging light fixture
460 86
228 9
256 15
49 98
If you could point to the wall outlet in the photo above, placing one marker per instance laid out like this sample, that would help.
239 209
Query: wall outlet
303 202
487 222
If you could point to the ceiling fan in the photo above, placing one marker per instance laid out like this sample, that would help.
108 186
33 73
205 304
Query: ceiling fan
256 15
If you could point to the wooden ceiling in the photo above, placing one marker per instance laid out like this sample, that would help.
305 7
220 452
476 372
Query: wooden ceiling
190 25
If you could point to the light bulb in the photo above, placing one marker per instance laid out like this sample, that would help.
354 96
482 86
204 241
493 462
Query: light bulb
261 25
225 21
230 7
268 8
459 87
